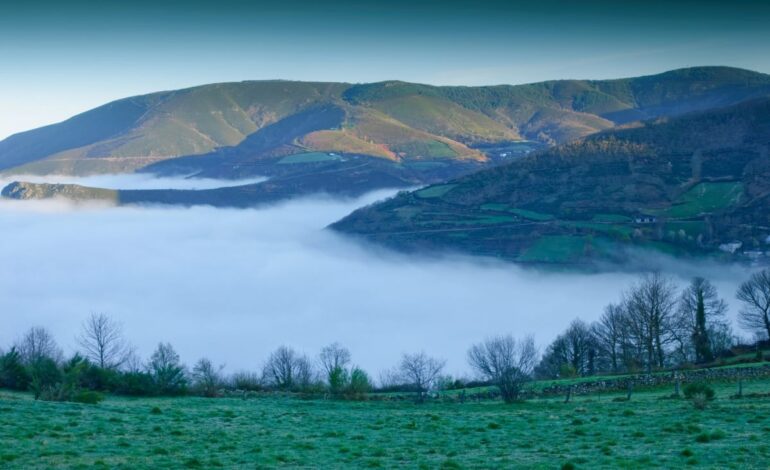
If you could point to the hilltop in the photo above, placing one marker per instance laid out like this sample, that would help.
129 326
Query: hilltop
246 128
692 185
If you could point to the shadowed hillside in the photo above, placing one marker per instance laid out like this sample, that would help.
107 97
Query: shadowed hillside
688 185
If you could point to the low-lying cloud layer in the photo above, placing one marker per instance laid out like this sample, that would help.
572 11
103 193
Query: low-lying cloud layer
233 285
136 181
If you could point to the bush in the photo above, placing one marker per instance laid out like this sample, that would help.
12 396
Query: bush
699 393
88 397
691 390
134 384
45 377
359 385
339 379
247 381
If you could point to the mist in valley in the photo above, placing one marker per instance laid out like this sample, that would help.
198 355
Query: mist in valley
233 285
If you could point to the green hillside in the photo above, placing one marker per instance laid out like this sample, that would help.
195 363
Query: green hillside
232 124
682 185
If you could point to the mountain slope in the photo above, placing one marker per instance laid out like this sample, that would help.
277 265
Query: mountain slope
684 185
396 121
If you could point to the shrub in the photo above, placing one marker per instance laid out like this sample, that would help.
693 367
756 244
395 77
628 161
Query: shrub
247 381
693 389
338 380
699 393
88 397
359 385
134 384
45 376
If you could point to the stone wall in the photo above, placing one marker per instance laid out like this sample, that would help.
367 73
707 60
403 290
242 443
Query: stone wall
646 381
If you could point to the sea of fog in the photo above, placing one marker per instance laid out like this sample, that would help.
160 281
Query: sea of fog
233 285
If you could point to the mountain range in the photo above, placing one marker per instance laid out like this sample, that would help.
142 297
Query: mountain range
247 128
553 172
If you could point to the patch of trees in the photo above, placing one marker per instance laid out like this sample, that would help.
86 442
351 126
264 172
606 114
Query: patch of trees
653 326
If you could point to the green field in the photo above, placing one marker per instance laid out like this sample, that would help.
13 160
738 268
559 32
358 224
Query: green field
705 197
555 249
266 432
532 215
611 218
435 191
526 214
311 157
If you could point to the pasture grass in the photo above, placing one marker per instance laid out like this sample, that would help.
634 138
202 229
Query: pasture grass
555 249
588 432
705 198
435 191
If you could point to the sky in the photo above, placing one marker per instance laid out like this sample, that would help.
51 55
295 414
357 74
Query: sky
256 279
59 58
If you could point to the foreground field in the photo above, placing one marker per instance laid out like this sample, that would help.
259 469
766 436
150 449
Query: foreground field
587 432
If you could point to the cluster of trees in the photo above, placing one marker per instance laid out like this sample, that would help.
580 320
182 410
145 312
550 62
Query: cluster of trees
656 326
105 362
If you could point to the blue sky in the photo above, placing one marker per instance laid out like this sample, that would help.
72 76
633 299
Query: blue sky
61 58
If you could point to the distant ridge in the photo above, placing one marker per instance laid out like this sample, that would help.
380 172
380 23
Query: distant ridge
231 129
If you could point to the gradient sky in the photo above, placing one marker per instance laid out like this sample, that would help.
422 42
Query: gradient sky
64 57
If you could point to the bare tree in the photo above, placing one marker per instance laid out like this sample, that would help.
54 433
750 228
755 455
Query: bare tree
420 371
651 306
102 341
390 378
335 360
207 379
287 370
700 312
573 352
755 295
506 362
611 336
37 344
333 356
132 362
580 348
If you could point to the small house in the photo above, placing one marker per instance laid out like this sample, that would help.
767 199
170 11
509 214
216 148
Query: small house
645 219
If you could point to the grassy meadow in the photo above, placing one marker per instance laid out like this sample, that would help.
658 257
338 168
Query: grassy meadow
595 431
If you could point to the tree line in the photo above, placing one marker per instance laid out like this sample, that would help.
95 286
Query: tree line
654 326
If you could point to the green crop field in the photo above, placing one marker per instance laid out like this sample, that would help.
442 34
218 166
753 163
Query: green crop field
593 431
